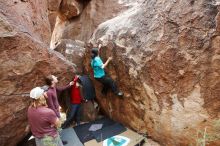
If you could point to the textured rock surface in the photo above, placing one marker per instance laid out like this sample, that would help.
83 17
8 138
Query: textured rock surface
149 142
53 5
67 10
25 60
53 9
89 112
70 8
57 32
82 27
52 18
31 19
64 10
168 56
96 12
73 51
166 60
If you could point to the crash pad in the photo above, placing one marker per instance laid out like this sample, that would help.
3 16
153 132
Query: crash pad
132 137
70 136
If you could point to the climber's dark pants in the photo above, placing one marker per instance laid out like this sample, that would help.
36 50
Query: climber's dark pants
107 83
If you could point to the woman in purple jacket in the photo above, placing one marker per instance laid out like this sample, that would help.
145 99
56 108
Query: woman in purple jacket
42 120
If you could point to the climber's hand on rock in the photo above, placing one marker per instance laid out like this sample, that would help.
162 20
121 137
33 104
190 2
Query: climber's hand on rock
110 58
99 46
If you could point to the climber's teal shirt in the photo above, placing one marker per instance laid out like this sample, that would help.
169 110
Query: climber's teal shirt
96 64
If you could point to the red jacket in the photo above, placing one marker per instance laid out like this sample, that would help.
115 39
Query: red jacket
75 93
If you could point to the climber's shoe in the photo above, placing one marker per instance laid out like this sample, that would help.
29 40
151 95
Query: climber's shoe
120 94
64 142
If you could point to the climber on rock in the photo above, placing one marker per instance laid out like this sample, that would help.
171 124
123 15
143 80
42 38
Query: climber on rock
99 73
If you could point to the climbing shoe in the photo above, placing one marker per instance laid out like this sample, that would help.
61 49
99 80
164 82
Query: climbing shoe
64 126
64 142
120 94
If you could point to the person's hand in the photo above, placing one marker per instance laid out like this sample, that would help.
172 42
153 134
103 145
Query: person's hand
77 84
45 95
27 129
100 45
71 83
110 58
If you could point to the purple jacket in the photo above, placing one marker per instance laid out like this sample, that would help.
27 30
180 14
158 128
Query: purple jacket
52 100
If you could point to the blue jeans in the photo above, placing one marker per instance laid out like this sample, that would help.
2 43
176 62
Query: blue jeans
74 113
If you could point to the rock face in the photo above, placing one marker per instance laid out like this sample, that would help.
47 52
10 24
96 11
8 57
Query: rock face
70 8
81 27
166 60
25 60
73 51
67 10
60 11
96 12
31 19
53 9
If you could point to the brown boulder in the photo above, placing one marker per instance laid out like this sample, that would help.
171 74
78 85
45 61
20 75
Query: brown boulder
32 19
69 9
24 64
52 15
57 32
25 60
218 18
89 112
166 60
53 8
53 5
73 51
59 19
95 12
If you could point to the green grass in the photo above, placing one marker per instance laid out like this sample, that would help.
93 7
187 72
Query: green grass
204 136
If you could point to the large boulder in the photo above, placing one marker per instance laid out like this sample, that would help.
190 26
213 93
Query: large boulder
81 28
60 11
52 18
25 60
53 9
166 60
96 12
53 5
69 9
59 19
73 51
32 19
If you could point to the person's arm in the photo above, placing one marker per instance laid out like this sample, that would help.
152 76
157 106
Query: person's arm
53 119
57 123
106 63
109 59
60 89
45 95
